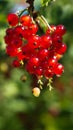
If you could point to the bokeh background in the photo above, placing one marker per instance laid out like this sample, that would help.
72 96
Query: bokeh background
19 109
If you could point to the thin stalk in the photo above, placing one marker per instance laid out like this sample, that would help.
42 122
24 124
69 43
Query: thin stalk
22 11
50 84
45 21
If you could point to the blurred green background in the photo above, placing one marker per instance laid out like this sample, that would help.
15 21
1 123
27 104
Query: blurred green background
19 109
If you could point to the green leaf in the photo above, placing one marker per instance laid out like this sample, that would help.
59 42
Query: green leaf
46 2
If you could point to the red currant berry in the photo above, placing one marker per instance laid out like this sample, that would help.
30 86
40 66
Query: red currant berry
29 68
7 39
33 28
34 61
20 56
46 41
56 38
16 42
26 49
39 71
25 20
10 50
44 64
58 69
12 19
16 63
43 53
52 62
34 42
48 72
60 30
9 31
62 49
26 33
19 30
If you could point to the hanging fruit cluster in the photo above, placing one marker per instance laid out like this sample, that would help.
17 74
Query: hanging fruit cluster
39 54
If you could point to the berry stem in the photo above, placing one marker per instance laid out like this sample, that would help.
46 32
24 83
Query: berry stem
45 21
21 62
19 13
49 84
41 18
40 83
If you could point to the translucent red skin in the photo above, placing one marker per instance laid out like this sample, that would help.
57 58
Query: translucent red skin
16 63
40 53
12 19
25 20
58 69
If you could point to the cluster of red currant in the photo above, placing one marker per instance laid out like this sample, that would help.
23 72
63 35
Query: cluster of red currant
39 54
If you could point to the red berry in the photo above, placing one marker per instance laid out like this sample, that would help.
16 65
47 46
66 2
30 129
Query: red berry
34 61
26 33
26 51
60 30
48 72
46 41
33 28
34 42
30 68
43 53
19 30
11 50
20 56
16 63
9 31
58 69
62 49
44 64
25 20
12 19
39 71
52 62
56 38
7 39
